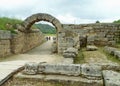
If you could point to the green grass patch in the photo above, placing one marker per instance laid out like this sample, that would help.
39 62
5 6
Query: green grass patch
109 57
9 24
80 58
50 34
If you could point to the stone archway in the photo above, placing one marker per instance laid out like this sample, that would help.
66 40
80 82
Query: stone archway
29 21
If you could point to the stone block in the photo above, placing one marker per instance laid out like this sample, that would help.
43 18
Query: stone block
111 78
110 50
65 69
69 55
5 34
110 66
117 54
31 68
91 71
91 48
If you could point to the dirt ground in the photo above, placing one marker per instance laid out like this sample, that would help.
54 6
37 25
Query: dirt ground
97 57
41 53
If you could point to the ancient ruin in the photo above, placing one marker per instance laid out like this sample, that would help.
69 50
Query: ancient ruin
71 39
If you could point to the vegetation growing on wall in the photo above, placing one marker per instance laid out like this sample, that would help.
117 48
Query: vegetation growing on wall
9 23
46 29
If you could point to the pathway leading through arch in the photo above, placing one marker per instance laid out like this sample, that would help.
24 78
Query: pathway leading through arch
41 53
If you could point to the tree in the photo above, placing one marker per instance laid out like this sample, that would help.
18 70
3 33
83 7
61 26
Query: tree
116 21
97 21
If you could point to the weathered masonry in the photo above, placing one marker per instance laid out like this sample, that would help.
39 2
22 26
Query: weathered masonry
97 34
18 43
68 35
26 27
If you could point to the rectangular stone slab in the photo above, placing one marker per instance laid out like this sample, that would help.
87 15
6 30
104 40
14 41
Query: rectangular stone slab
67 69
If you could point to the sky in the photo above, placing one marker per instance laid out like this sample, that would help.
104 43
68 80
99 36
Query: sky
66 11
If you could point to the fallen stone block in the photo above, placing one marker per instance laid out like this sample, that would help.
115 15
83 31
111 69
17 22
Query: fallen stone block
66 69
31 68
70 53
117 54
111 78
110 66
72 50
91 71
110 50
91 48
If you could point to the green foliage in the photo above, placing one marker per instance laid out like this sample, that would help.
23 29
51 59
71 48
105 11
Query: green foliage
117 21
80 58
46 29
9 24
97 21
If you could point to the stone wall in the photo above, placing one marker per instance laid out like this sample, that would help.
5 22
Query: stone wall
19 43
5 48
98 34
106 74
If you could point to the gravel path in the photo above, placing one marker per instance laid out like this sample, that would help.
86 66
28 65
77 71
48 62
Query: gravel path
41 53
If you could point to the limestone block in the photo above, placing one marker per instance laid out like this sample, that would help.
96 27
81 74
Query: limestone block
70 52
5 42
5 34
110 66
31 68
91 48
69 55
66 69
91 71
110 50
117 54
111 42
111 78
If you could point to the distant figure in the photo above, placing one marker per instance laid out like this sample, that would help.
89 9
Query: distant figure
49 37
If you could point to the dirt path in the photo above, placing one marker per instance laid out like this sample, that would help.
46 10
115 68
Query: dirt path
41 53
95 57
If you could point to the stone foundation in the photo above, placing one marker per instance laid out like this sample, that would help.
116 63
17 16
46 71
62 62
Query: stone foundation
99 34
19 43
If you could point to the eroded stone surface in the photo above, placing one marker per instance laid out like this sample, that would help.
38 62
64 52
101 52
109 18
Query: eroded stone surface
91 48
111 78
67 69
110 50
91 71
70 53
31 68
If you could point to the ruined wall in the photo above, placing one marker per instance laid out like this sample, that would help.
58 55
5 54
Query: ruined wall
19 43
5 48
97 34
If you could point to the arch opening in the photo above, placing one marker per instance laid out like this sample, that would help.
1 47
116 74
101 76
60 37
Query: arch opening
28 22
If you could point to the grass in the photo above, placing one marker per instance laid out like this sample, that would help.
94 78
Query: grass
109 57
9 24
50 34
80 58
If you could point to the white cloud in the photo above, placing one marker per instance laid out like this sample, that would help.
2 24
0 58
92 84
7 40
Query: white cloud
66 18
67 11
